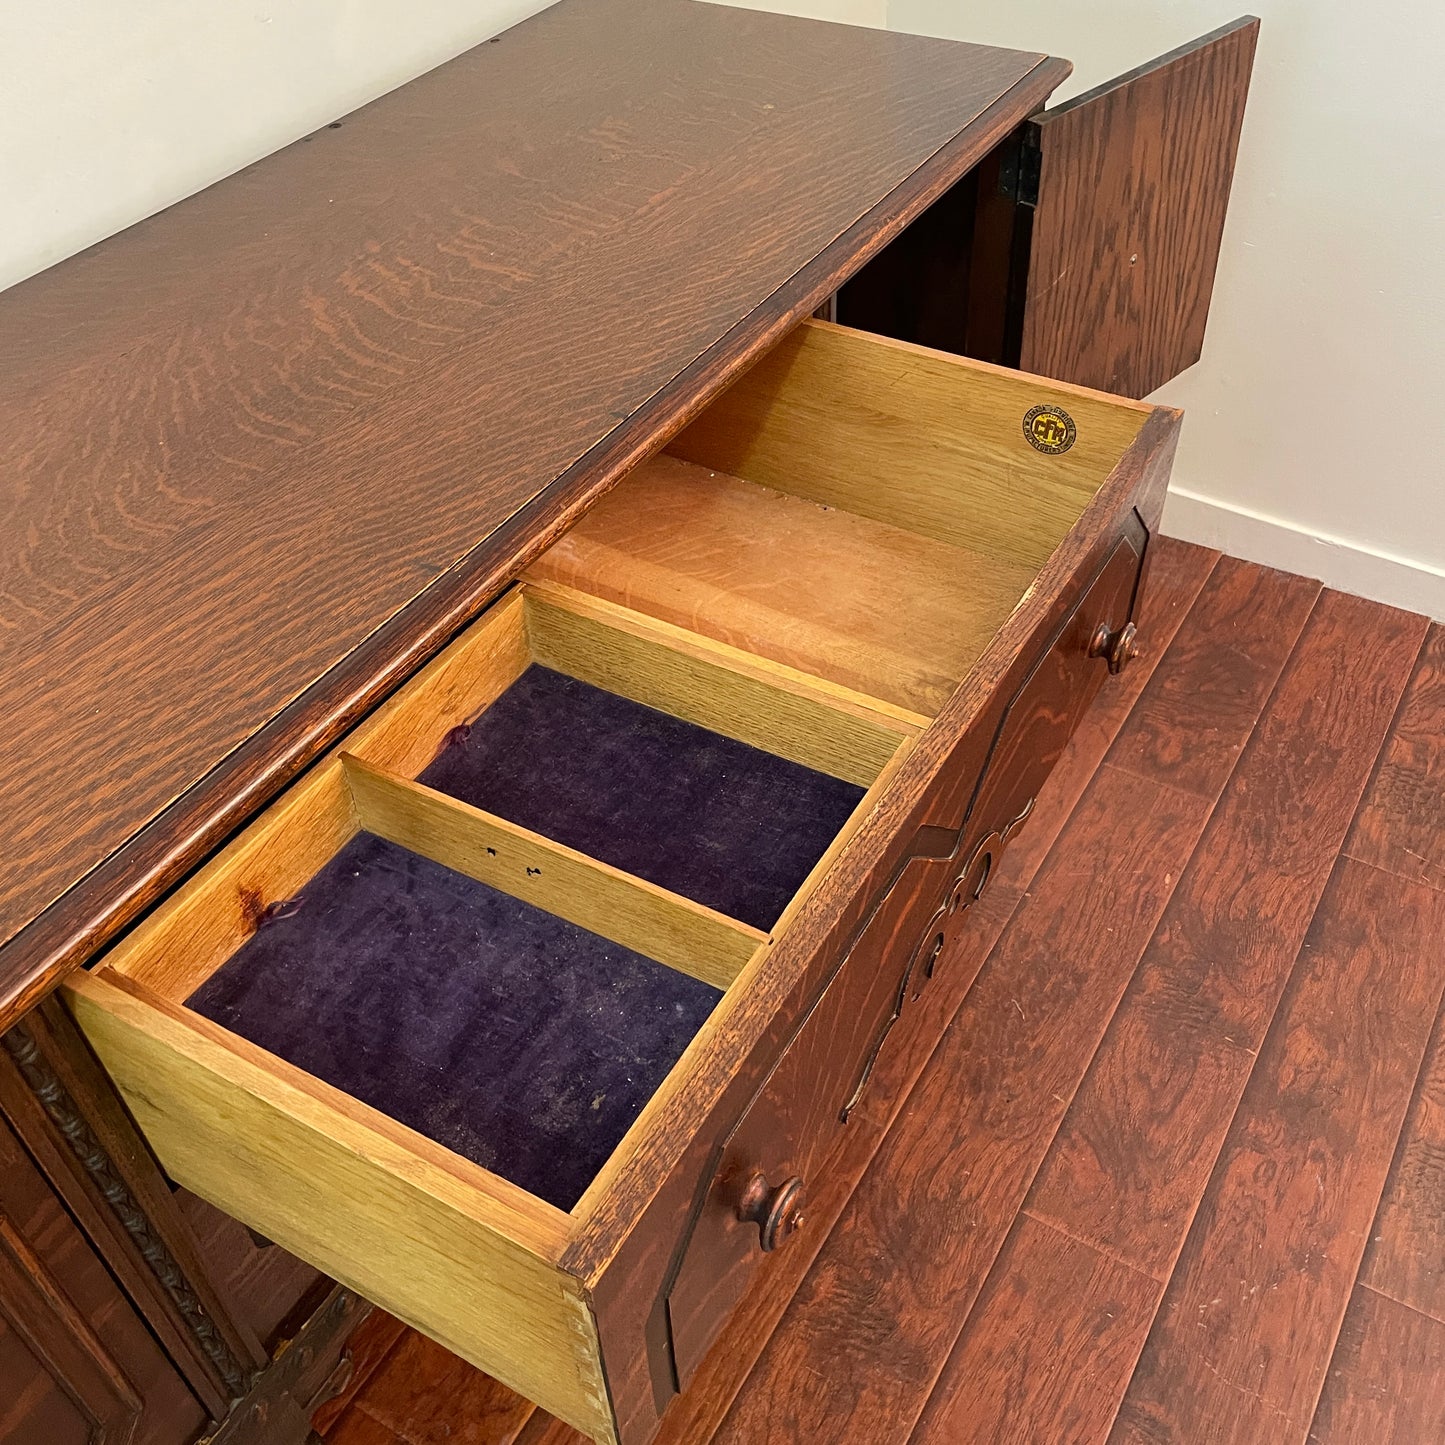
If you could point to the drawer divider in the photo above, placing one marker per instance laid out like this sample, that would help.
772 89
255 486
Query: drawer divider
639 915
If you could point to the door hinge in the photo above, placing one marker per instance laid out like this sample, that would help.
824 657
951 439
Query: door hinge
1021 166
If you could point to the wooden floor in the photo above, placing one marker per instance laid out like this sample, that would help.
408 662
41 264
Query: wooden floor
1177 1170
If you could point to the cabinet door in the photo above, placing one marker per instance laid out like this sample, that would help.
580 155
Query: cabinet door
1084 248
1133 181
77 1363
67 1117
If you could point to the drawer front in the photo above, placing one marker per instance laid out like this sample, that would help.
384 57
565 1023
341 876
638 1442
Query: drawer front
757 1198
599 1299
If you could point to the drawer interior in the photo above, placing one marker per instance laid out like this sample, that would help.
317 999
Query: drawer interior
729 825
518 1040
505 909
413 1021
863 510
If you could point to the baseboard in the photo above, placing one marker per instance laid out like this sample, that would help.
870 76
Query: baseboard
1348 566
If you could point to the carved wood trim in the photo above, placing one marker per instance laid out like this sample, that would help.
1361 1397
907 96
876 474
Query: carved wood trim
964 892
61 1109
308 1371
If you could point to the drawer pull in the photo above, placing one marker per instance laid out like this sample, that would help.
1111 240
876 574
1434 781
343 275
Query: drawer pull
1119 648
778 1213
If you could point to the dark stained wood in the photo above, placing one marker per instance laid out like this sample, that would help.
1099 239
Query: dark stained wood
1175 574
1393 830
58 1099
77 1363
479 1410
76 1390
1253 1307
1406 1256
1084 246
1222 668
797 1119
1047 1349
268 1291
1401 826
864 1339
307 1372
1133 1157
409 350
542 1429
1133 188
625 1250
1386 1383
696 1414
356 1427
918 288
367 1349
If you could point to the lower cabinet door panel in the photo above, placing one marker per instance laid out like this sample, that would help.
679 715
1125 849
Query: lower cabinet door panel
77 1364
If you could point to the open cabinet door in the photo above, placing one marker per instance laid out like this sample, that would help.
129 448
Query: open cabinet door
1084 247
1121 203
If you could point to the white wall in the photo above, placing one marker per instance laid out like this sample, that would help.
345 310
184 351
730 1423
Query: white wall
1315 436
872 13
1316 426
111 110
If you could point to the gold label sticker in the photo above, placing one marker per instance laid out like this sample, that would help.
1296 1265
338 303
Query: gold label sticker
1049 429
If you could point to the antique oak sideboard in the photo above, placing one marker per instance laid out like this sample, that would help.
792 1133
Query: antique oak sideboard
529 617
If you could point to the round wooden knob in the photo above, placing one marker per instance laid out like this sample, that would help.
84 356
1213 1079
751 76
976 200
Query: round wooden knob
1118 648
778 1213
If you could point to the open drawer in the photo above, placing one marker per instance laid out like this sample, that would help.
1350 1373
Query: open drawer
470 1016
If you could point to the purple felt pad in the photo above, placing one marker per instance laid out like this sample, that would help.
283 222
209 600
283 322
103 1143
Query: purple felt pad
715 820
515 1039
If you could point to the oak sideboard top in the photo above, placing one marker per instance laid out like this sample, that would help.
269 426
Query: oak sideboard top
262 454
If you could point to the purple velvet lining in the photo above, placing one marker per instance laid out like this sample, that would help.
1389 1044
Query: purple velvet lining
715 820
516 1039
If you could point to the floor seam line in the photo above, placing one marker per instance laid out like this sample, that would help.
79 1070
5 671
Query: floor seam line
1113 1256
1394 1299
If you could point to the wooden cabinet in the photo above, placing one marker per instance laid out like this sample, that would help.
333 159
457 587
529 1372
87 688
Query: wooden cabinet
1085 247
871 585
78 1365
544 703
147 1328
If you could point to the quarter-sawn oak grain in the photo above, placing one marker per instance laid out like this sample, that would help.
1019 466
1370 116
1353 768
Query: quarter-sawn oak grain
1134 184
309 374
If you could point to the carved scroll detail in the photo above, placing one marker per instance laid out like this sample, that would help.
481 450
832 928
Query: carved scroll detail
963 893
62 1110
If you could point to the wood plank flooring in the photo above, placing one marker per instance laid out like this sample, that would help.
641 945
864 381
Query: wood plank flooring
1176 1171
